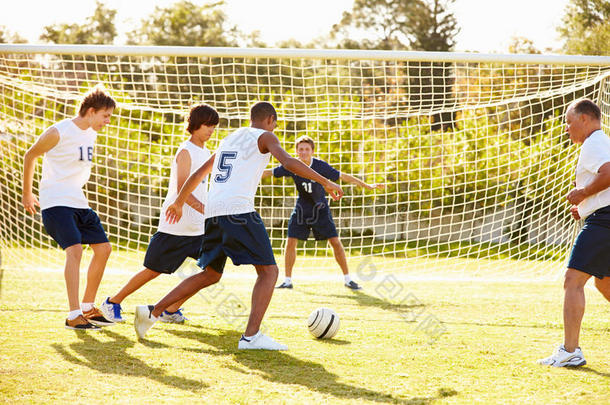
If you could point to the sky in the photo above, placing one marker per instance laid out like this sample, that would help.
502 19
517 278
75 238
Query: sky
486 25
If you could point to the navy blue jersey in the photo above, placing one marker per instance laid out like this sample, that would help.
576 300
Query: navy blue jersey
310 192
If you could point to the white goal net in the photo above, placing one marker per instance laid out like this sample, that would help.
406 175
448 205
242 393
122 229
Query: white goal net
472 148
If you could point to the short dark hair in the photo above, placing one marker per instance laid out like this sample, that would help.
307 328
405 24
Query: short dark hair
97 99
305 139
261 111
586 106
201 114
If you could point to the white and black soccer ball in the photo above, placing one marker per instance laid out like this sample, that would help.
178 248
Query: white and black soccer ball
323 323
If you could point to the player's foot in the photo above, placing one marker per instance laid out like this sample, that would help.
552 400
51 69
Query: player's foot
80 323
352 285
563 358
111 311
96 317
285 285
261 342
144 319
173 317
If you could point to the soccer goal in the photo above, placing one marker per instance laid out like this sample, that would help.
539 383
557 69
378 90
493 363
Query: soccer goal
471 147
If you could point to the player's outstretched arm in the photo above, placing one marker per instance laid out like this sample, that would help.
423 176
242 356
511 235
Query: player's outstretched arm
174 211
354 180
268 142
45 142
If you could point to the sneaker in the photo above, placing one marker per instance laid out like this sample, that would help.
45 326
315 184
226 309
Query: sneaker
352 285
144 319
563 358
96 317
111 311
285 285
173 317
80 323
260 341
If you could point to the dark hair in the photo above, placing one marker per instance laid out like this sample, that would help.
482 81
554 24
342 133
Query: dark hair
201 114
305 139
261 111
586 106
97 99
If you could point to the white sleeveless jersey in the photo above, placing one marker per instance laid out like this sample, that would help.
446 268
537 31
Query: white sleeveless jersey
238 168
67 166
191 223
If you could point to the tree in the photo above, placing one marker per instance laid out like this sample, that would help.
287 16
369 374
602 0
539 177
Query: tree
433 27
186 24
7 36
97 29
585 27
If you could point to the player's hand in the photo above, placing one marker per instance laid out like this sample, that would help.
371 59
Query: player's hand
576 196
574 212
334 190
378 186
173 213
30 202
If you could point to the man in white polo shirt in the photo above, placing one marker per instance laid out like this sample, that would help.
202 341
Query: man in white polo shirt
590 201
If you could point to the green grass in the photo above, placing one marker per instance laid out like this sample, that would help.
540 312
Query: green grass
494 334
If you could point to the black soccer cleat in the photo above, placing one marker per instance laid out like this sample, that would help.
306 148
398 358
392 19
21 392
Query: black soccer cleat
352 285
285 285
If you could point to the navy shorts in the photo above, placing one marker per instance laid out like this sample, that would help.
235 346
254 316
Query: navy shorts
591 250
72 226
166 253
241 237
320 221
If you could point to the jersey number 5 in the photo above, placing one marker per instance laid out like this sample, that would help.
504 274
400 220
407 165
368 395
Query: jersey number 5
224 167
89 156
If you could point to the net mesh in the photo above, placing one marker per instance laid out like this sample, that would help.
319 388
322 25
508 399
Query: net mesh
474 155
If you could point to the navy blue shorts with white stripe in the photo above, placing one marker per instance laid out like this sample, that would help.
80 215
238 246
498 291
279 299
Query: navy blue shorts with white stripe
241 237
166 252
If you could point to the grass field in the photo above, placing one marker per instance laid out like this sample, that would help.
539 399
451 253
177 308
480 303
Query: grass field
390 348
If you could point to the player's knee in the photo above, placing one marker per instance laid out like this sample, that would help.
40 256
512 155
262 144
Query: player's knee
212 275
74 253
574 279
103 249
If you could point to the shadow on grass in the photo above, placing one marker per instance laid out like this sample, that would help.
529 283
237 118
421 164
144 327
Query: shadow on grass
112 358
280 367
587 369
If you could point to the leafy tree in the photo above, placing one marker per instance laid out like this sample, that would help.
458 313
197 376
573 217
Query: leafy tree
97 29
7 36
585 27
186 24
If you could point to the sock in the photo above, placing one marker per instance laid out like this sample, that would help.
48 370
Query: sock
86 306
288 280
74 314
347 278
249 338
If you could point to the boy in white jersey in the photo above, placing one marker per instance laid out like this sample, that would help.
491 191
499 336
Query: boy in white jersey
173 243
590 200
68 148
232 227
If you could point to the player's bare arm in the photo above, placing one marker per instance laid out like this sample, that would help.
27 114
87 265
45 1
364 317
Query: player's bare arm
45 143
268 142
174 211
183 166
599 183
354 180
267 173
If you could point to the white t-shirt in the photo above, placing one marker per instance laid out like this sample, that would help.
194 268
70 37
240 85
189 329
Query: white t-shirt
238 168
192 222
594 152
67 166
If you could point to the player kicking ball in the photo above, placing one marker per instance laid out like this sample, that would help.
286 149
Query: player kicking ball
68 148
174 242
232 227
312 212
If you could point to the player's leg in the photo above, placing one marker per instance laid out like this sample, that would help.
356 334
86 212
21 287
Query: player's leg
261 296
603 286
339 254
101 253
290 257
573 306
298 229
135 283
74 254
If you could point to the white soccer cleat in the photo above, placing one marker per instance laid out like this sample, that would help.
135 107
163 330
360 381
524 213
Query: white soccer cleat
563 358
260 342
144 319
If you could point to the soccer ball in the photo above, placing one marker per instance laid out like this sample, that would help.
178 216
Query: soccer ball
323 323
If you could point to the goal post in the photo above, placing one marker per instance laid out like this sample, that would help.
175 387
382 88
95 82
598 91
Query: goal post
472 147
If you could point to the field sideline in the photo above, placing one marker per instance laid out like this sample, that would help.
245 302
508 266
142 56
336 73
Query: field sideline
483 349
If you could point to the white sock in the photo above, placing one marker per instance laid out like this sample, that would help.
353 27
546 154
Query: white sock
74 314
86 306
347 278
288 280
249 338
